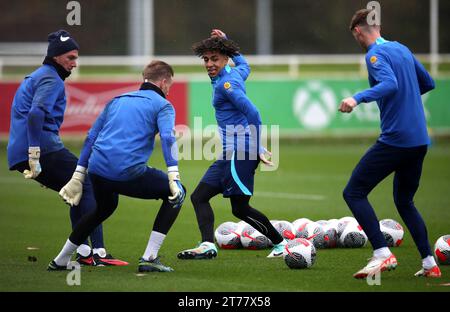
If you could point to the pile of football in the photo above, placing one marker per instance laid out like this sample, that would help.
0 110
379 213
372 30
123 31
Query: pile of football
304 236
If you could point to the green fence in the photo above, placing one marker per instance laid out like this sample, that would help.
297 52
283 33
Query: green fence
310 106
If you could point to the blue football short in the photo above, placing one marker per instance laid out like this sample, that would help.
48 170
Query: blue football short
232 177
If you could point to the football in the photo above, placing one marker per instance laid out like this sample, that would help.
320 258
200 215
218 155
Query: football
329 236
392 231
442 249
299 253
299 227
227 236
314 233
253 239
322 222
341 224
285 228
353 236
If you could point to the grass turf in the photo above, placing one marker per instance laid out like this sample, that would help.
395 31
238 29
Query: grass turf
34 217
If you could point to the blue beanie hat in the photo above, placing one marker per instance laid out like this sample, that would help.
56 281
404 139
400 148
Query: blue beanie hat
60 42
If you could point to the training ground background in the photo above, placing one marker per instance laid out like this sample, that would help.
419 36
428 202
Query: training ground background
308 183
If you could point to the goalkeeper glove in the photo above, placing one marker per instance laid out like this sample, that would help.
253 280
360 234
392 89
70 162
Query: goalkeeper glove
71 192
177 190
34 152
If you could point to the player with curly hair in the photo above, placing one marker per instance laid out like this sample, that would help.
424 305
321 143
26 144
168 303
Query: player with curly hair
239 126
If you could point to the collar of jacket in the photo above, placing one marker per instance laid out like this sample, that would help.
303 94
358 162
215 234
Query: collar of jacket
223 71
62 73
151 86
378 41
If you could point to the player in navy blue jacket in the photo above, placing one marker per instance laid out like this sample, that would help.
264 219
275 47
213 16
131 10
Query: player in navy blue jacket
397 81
34 146
239 124
116 152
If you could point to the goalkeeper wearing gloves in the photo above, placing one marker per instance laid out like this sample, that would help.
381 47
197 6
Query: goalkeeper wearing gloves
34 146
116 152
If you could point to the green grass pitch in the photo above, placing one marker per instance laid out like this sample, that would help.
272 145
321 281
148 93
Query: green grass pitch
34 217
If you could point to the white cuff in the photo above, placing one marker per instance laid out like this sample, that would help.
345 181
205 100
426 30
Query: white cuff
80 169
172 168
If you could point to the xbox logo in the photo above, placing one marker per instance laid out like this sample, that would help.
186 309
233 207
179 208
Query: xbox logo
314 105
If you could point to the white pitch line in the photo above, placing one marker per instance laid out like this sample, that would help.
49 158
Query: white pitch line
290 195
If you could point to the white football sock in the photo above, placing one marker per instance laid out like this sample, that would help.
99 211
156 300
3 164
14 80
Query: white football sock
66 253
153 246
383 252
428 262
84 250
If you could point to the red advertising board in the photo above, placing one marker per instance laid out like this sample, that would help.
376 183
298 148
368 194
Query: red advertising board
85 100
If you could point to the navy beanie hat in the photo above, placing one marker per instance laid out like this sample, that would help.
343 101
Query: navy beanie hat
60 42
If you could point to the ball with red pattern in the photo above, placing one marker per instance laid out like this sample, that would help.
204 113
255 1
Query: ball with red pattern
393 232
442 249
299 253
228 236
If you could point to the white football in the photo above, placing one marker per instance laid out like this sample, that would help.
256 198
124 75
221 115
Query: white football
353 236
253 239
342 224
442 249
285 228
333 223
322 222
227 236
392 231
299 227
330 236
314 233
241 224
299 253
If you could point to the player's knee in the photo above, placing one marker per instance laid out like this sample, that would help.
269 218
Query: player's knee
350 194
239 210
238 214
403 204
347 194
197 198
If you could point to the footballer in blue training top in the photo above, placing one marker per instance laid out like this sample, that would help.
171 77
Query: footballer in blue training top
239 124
397 81
34 146
116 152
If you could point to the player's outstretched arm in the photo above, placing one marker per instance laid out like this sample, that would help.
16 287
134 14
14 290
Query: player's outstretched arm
166 125
380 69
72 192
44 99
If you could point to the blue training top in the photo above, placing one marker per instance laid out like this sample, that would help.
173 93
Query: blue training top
122 138
37 113
237 117
397 80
